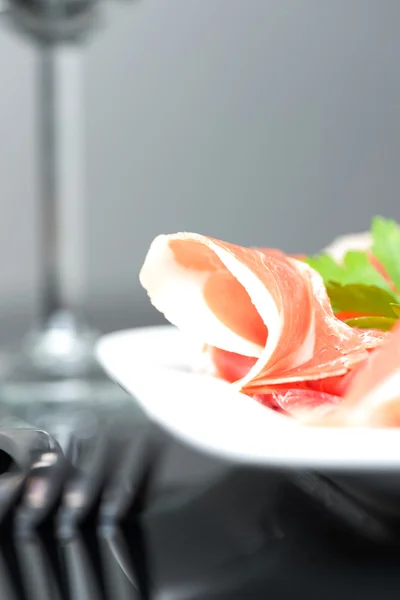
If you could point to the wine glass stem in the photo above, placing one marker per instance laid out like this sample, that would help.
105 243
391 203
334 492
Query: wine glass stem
61 177
51 299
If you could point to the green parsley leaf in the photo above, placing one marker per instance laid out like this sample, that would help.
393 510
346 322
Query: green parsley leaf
326 266
386 246
361 298
396 309
355 285
382 323
356 269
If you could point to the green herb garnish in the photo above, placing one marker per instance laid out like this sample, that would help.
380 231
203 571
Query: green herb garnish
382 323
386 246
356 269
362 299
396 309
356 286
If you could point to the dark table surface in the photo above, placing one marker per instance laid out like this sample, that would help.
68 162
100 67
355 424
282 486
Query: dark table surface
128 532
185 554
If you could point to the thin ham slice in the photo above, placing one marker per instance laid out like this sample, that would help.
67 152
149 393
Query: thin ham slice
301 402
373 396
260 304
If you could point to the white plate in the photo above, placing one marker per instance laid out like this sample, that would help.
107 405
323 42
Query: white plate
153 365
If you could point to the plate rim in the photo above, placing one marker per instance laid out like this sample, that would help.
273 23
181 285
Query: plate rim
336 449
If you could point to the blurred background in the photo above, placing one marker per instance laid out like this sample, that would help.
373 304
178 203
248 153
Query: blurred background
258 121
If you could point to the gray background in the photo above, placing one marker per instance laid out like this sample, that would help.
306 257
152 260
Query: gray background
263 122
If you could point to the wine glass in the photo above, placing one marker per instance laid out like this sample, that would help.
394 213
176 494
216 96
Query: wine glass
55 375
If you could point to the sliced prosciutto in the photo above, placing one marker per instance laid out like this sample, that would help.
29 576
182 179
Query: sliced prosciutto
373 396
302 403
262 305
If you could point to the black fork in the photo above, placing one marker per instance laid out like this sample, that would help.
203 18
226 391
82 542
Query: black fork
72 520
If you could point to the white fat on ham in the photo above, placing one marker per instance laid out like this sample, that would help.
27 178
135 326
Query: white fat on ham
343 244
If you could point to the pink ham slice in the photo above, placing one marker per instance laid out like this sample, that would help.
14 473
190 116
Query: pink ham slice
373 396
256 303
300 403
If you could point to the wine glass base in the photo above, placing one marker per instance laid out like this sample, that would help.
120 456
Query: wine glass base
55 383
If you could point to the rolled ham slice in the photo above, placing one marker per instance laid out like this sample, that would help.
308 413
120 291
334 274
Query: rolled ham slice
260 304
